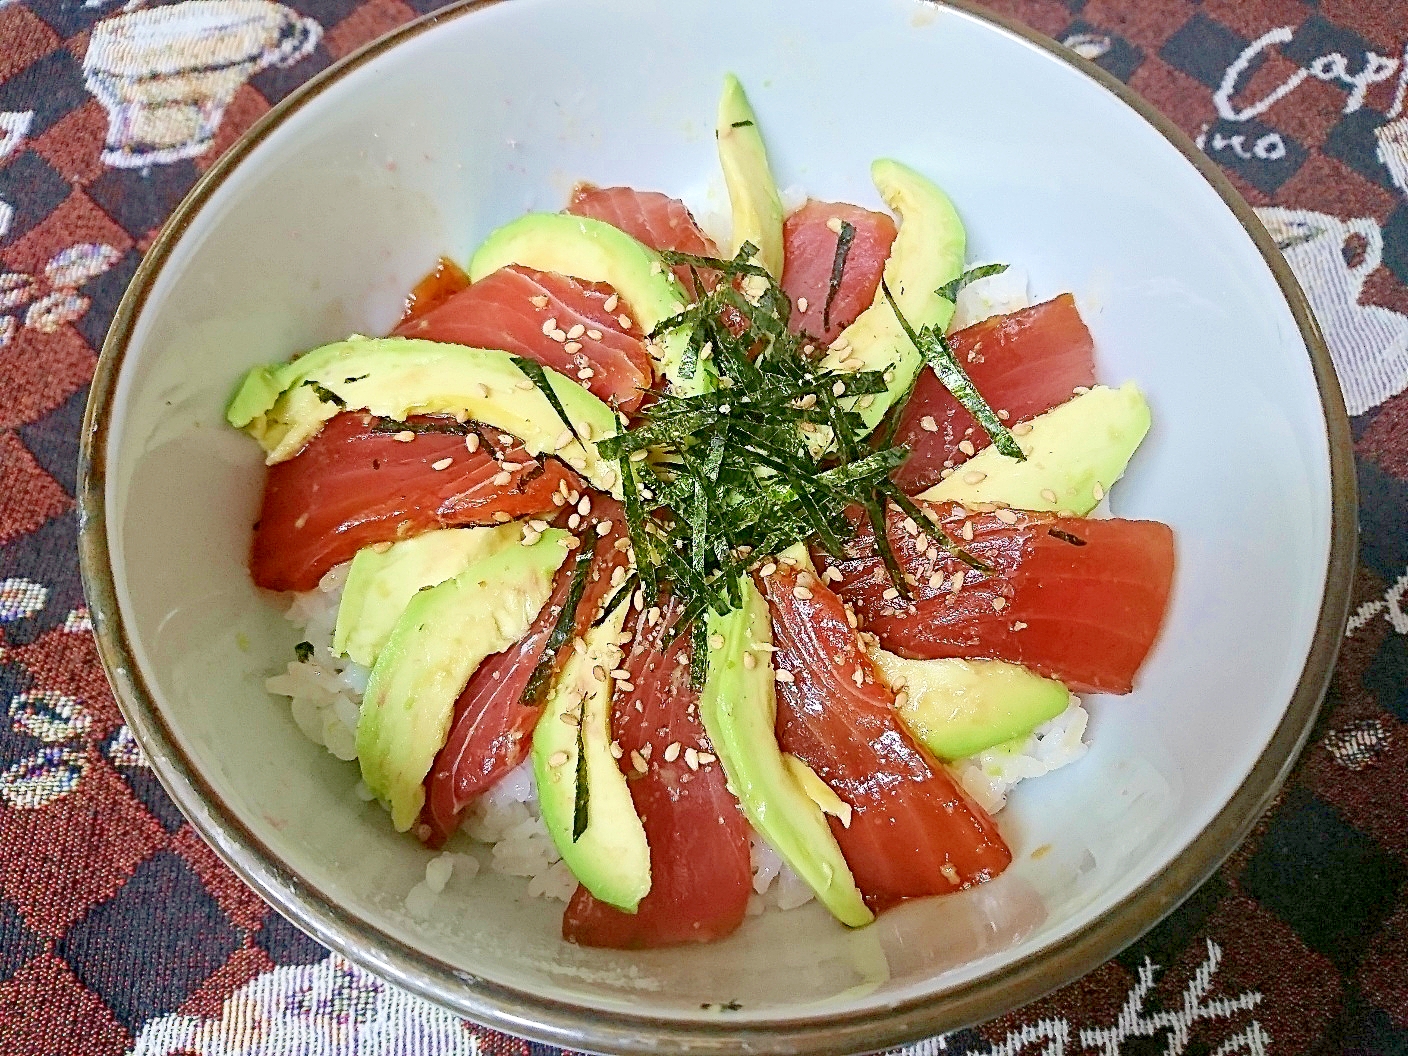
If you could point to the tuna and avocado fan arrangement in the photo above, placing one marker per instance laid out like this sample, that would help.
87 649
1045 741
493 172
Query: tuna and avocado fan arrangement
733 550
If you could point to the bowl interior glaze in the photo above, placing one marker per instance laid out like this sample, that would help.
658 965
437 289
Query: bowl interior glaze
316 226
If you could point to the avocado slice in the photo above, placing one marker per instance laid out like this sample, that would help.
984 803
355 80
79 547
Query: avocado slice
1075 453
443 635
284 405
595 251
752 192
927 253
585 802
383 580
738 707
957 708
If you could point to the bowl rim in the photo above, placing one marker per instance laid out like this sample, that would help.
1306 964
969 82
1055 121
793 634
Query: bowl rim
565 1024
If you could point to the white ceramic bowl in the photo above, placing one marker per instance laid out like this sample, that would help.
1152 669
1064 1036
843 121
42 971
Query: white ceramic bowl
318 221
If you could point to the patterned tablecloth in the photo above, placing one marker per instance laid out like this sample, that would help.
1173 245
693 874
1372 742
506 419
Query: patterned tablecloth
120 930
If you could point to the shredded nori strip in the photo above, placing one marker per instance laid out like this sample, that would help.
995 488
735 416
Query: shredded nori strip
1066 537
949 290
844 239
773 454
934 347
581 799
438 424
303 651
931 529
325 394
533 370
561 630
741 124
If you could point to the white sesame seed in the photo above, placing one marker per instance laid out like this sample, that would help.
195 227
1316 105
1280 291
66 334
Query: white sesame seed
956 583
525 385
577 331
750 661
624 320
558 335
471 442
834 225
967 531
501 517
531 537
502 478
999 604
638 762
974 476
802 592
936 581
586 374
1021 428
691 758
539 301
572 347
901 699
705 758
611 303
574 522
405 436
783 675
801 304
839 389
865 401
1006 516
858 677
1081 390
890 594
549 325
928 424
602 527
1019 626
672 751
1003 415
557 758
595 335
767 570
832 574
625 686
444 463
966 446
1048 494
615 750
716 641
1098 491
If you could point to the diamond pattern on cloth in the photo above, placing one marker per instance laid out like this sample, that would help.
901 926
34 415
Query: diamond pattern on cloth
121 932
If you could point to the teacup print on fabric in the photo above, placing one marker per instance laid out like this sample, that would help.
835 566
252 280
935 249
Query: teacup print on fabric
166 74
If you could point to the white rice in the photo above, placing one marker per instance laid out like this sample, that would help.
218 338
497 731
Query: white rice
326 692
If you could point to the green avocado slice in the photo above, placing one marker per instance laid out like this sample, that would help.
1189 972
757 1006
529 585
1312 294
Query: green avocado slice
383 580
927 253
579 780
738 707
441 638
957 708
595 251
752 192
1075 453
283 406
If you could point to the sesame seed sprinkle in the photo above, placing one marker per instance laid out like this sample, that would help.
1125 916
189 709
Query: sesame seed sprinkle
539 301
471 442
611 303
974 476
502 478
801 304
549 325
783 675
444 463
1048 494
405 436
624 320
572 347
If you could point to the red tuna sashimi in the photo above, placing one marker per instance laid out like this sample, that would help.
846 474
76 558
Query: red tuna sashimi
511 308
810 236
700 873
1073 599
439 284
355 484
913 831
1024 364
491 730
652 218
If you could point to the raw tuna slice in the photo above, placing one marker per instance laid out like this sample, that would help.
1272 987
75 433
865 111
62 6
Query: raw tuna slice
652 218
356 484
491 731
913 831
809 248
700 874
1024 364
512 309
1073 599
